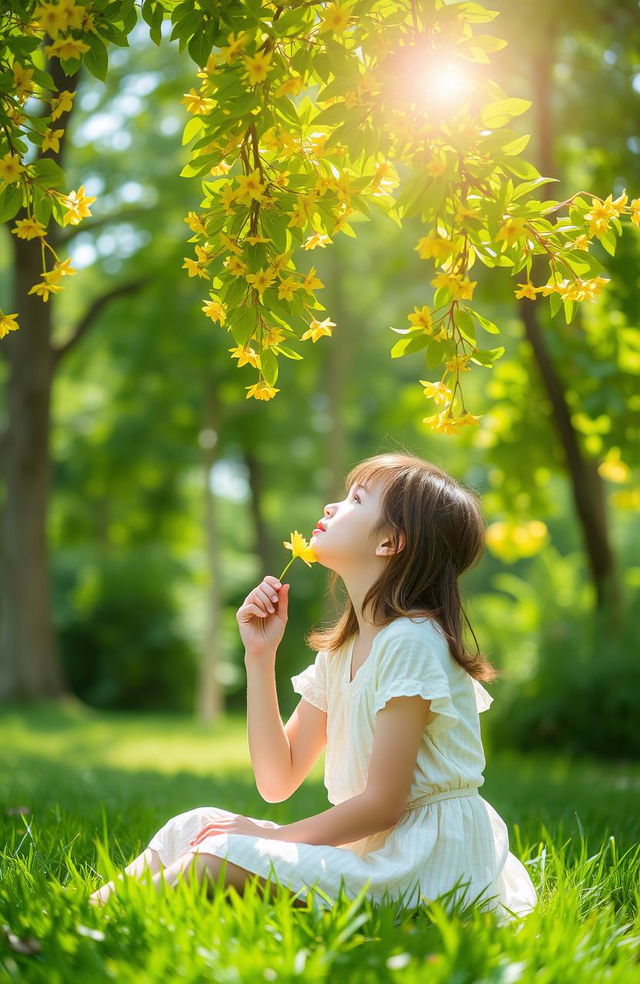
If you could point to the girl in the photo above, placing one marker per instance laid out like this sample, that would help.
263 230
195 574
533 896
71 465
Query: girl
394 696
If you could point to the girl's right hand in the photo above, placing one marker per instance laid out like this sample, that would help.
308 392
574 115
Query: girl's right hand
262 620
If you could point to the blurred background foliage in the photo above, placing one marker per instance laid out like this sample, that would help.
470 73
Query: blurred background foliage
131 436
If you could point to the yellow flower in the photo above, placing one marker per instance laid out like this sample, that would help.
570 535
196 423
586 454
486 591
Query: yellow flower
196 103
581 242
510 540
29 229
250 187
7 324
613 468
194 268
261 280
437 165
46 287
196 222
254 240
334 18
432 245
421 317
230 243
62 103
235 266
600 214
215 310
445 423
526 290
257 66
438 392
318 328
66 48
261 390
10 167
245 356
317 239
458 363
77 206
287 288
22 79
64 269
290 87
227 198
234 46
272 337
51 140
635 211
299 547
620 202
511 230
51 18
458 286
311 282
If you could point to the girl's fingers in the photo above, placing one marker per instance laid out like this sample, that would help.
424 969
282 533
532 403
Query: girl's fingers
268 597
251 610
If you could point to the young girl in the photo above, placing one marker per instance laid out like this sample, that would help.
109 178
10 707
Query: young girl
394 696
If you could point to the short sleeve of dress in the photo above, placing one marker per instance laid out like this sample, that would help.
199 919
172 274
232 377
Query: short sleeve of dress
409 665
484 699
311 683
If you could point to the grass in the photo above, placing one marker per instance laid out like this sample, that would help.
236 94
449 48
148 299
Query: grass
98 785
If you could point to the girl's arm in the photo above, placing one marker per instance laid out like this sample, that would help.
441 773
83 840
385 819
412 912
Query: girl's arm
398 734
268 743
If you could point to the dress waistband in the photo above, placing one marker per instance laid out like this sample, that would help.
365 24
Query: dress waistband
433 797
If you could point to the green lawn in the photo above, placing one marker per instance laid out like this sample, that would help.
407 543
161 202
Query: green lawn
92 780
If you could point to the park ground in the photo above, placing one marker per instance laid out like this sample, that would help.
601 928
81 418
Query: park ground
82 790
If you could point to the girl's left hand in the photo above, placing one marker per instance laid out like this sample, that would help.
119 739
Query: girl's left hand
233 825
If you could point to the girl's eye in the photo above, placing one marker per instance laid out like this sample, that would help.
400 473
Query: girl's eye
356 496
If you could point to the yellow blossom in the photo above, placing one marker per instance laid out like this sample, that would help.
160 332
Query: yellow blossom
227 199
29 229
287 288
66 48
635 211
526 290
613 468
335 18
438 392
311 282
581 242
317 239
10 168
245 356
458 363
437 165
22 79
46 287
234 46
250 187
215 309
194 268
51 140
299 547
196 103
261 280
51 18
257 66
8 323
235 266
421 318
317 329
196 222
230 243
63 269
459 287
77 206
261 390
290 87
600 215
272 337
254 240
511 230
61 103
433 245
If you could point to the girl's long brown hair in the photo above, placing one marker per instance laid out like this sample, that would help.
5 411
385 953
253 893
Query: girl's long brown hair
444 533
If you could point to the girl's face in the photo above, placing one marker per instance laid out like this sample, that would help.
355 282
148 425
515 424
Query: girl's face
343 541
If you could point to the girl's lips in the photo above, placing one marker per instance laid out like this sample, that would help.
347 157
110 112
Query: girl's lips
318 530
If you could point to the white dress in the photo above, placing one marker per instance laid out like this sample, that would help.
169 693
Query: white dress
452 841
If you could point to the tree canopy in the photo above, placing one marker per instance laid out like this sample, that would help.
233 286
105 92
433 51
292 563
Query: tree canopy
306 116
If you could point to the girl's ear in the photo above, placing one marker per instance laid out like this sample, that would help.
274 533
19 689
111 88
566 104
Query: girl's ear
389 546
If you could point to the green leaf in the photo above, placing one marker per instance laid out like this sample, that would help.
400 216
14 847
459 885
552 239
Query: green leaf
527 186
486 324
486 357
269 366
47 173
608 240
96 60
288 352
434 354
521 169
498 112
10 202
464 323
405 346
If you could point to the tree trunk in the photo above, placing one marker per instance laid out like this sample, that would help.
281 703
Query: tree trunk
29 666
263 542
587 486
209 698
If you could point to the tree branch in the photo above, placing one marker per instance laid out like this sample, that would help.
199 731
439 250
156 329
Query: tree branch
91 315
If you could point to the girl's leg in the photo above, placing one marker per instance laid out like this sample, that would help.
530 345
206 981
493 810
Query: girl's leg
207 867
148 860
